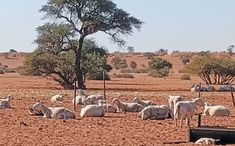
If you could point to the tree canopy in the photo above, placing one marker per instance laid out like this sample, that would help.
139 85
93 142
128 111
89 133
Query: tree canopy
86 17
212 70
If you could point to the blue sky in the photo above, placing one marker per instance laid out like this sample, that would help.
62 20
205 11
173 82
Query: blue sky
186 25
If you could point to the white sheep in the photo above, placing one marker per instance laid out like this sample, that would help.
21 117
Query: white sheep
143 102
57 98
172 100
185 110
53 112
161 112
92 111
127 107
216 110
196 88
79 99
6 102
207 141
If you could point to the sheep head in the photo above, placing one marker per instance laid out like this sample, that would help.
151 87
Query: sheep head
116 101
136 99
198 101
38 106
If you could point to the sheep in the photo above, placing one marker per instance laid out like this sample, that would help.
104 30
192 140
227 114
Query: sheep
196 88
109 108
53 112
210 88
6 102
207 141
226 88
57 98
185 110
216 110
79 99
142 102
92 111
127 107
172 100
161 112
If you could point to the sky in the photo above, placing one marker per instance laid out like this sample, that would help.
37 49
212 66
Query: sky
185 25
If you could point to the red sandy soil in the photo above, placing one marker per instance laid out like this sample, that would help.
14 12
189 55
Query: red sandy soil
18 127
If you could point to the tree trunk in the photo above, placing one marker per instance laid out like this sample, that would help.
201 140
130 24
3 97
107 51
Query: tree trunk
78 70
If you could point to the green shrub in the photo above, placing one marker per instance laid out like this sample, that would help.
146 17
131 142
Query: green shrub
159 67
160 73
185 77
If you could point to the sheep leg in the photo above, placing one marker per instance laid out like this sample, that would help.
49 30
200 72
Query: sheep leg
181 121
188 121
175 122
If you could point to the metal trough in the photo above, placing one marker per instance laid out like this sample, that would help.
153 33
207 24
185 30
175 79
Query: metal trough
226 135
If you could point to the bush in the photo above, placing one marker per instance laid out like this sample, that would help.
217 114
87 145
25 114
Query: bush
160 73
10 70
0 64
212 70
133 65
98 76
1 72
185 60
149 55
124 75
185 77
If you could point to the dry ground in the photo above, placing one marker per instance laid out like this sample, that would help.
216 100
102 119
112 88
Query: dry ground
19 128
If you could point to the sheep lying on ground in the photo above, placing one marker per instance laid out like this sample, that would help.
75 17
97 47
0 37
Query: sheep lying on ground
127 107
57 98
109 108
196 88
161 112
226 88
172 100
92 111
6 102
216 110
186 109
207 141
142 102
53 112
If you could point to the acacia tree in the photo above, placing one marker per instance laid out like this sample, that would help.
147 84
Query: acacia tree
212 70
87 17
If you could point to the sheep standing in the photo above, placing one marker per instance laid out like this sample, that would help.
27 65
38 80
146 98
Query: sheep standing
216 110
79 99
92 111
6 102
142 102
172 100
185 110
53 112
161 112
207 141
127 107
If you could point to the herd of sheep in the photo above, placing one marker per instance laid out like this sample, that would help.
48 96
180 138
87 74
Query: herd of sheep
96 106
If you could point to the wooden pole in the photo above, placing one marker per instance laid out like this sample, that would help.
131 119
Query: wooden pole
231 90
74 97
199 93
199 120
104 85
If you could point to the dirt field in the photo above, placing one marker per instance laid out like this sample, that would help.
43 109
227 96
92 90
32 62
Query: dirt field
18 127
